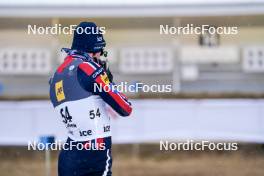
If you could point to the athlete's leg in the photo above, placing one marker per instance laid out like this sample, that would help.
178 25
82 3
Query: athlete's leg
106 170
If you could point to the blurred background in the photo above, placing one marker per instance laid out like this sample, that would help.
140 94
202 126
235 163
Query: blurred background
217 83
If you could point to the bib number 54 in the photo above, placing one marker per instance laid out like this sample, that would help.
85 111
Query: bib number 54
94 113
65 115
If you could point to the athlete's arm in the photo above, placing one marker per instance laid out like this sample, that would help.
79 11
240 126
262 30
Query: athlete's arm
91 74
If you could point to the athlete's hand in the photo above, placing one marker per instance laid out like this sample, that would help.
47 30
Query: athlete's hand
106 68
109 75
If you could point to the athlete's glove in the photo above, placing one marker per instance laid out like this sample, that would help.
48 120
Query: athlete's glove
109 75
104 64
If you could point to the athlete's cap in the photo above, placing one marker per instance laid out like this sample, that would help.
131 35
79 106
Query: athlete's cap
88 38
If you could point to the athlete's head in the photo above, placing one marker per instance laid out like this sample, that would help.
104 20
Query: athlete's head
88 38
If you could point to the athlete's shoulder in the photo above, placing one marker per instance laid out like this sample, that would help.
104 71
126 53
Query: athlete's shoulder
90 67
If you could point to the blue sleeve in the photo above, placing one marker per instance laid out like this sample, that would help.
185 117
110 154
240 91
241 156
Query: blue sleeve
94 79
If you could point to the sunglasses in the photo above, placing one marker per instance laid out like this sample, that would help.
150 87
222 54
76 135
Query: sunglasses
103 53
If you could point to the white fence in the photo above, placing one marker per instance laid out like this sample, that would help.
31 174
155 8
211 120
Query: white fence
151 121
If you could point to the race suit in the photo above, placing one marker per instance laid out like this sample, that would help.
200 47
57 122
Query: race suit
82 108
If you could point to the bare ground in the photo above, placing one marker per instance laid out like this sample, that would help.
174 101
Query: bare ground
152 164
